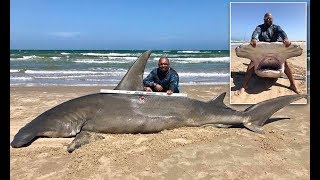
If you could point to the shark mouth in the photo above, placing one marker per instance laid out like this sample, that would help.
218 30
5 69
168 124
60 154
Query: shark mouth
268 58
271 67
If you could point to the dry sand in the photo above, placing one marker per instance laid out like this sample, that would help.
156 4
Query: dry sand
283 152
261 89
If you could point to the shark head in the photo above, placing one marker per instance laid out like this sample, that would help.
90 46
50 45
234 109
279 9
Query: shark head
268 58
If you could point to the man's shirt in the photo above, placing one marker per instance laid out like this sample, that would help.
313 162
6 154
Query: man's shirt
273 33
168 80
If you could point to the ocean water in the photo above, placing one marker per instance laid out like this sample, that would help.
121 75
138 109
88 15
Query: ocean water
107 67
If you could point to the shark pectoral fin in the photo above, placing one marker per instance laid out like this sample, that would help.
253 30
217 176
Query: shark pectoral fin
82 138
254 128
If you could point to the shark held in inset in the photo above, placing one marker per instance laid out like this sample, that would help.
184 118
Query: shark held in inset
268 58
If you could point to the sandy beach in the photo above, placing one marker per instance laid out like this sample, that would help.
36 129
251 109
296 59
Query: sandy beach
260 89
283 152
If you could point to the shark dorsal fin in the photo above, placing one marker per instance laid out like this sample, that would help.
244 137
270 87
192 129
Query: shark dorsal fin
133 80
218 101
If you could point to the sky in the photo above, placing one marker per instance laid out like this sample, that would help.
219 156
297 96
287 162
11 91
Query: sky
291 16
128 24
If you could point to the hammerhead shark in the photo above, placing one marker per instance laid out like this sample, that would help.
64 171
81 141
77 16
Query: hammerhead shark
135 113
268 58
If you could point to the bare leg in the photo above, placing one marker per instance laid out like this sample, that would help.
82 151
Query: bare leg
288 72
247 77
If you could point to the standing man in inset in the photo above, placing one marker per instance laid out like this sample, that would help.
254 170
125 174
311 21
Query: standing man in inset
268 32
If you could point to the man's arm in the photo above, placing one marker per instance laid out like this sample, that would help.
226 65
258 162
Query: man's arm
256 33
255 36
283 35
148 81
174 80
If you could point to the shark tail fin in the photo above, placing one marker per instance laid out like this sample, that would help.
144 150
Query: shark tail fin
259 113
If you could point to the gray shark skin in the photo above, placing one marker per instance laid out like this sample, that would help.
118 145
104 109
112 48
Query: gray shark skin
132 113
268 58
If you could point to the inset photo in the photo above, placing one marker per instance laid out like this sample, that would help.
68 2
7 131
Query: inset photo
268 51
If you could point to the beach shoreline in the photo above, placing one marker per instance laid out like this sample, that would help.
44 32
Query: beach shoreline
107 67
187 153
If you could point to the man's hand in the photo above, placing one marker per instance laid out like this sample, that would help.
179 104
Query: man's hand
253 42
286 42
169 92
158 87
148 89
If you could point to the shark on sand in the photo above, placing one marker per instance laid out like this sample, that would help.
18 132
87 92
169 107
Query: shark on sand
135 113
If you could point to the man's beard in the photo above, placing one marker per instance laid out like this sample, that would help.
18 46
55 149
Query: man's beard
268 24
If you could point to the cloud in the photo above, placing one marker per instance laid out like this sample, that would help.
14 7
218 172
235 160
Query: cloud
65 34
